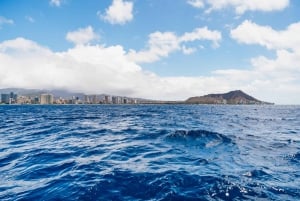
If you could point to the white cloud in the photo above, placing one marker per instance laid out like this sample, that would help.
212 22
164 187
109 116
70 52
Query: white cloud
202 34
21 45
56 3
286 63
84 68
119 12
285 43
162 44
4 21
251 33
87 68
90 69
241 6
82 36
159 45
196 3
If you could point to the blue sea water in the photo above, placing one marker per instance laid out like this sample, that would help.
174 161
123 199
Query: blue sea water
149 152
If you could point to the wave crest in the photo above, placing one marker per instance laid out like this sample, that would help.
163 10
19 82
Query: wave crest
199 137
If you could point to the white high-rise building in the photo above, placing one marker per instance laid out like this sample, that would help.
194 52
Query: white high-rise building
46 99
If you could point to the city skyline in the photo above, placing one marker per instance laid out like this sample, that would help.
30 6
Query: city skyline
23 96
48 98
163 50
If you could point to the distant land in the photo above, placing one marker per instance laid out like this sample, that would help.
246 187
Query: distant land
236 97
232 97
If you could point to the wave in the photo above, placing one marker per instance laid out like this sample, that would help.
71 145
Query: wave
202 138
258 174
149 153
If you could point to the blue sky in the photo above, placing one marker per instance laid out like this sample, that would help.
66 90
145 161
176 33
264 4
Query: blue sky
161 49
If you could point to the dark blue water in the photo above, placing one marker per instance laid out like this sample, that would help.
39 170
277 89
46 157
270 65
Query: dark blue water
149 152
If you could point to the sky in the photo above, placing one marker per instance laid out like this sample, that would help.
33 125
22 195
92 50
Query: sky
157 49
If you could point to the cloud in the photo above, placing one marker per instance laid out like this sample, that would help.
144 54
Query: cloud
21 46
196 3
90 69
82 36
101 69
241 6
4 21
202 34
251 33
161 44
188 50
109 69
285 43
30 19
86 68
120 12
56 3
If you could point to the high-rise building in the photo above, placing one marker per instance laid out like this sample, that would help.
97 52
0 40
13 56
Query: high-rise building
9 98
46 99
116 100
94 99
35 100
5 98
107 99
86 99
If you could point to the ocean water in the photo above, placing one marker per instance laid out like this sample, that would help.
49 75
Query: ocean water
149 152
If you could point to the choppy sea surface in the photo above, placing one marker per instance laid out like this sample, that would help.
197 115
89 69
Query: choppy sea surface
149 152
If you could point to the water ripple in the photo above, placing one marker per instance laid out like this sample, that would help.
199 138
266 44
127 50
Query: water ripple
149 152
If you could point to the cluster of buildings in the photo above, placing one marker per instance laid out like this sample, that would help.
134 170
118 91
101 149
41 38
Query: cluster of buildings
13 98
10 98
106 99
46 99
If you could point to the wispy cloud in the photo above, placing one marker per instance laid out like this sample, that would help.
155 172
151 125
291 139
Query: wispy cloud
56 3
188 50
4 21
119 12
29 19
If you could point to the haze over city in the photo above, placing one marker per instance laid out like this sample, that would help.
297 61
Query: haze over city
165 50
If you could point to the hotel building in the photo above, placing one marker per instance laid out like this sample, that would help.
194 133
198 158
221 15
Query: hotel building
46 99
